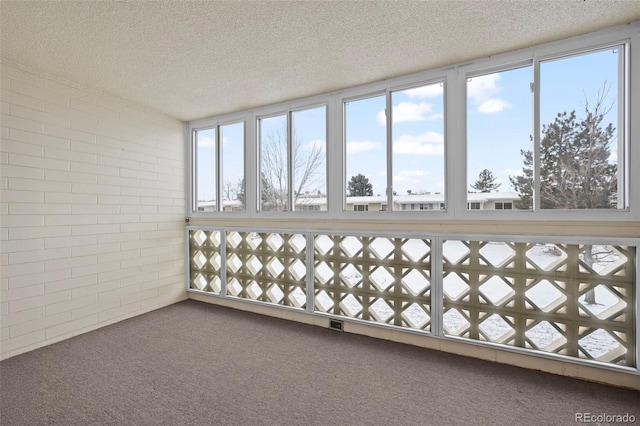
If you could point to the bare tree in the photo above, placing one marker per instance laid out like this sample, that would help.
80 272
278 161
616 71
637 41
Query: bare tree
308 173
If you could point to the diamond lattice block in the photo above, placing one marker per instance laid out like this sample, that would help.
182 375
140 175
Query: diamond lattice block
381 278
199 259
544 336
380 310
323 302
323 244
454 251
497 290
350 306
275 294
415 316
275 267
323 272
454 322
415 250
298 298
199 237
298 243
598 344
545 296
381 247
454 286
351 246
496 328
415 282
497 254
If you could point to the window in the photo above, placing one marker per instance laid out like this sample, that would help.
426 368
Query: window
417 129
292 159
580 138
219 172
503 205
499 120
545 130
415 144
360 208
206 171
365 146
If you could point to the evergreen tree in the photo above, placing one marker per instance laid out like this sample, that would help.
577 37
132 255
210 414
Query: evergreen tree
575 172
359 186
486 182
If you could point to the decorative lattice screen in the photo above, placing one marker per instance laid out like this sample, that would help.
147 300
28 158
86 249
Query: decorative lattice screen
378 279
569 299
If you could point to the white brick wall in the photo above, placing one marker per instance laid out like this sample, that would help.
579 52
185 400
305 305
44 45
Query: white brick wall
92 208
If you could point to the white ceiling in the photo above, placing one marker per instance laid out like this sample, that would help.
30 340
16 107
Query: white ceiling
194 59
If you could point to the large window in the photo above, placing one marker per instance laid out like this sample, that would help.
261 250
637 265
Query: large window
219 168
499 123
580 119
366 152
541 133
565 153
293 164
418 145
415 144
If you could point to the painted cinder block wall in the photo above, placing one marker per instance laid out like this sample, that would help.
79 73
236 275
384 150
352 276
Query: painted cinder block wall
92 210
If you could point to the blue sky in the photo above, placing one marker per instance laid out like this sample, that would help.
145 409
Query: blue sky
499 125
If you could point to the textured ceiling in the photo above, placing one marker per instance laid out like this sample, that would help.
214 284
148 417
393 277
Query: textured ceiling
193 59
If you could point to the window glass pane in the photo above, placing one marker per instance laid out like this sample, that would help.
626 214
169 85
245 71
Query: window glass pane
579 131
310 159
366 155
499 128
205 147
418 146
232 137
273 164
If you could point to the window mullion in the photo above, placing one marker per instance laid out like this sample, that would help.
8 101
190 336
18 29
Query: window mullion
218 171
389 121
290 163
623 120
536 134
194 171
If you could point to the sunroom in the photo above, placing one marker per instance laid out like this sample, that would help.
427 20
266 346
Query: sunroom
457 176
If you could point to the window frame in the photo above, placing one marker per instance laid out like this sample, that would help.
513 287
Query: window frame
288 110
192 185
455 192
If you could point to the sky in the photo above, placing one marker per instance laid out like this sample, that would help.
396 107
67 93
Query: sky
499 124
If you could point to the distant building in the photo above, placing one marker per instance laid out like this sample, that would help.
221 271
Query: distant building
375 203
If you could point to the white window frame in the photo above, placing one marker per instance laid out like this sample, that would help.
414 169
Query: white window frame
455 192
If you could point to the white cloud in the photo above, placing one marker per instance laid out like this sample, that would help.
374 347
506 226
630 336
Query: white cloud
435 117
382 173
430 91
483 87
317 144
411 173
407 111
493 105
206 142
429 143
613 158
482 90
354 147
